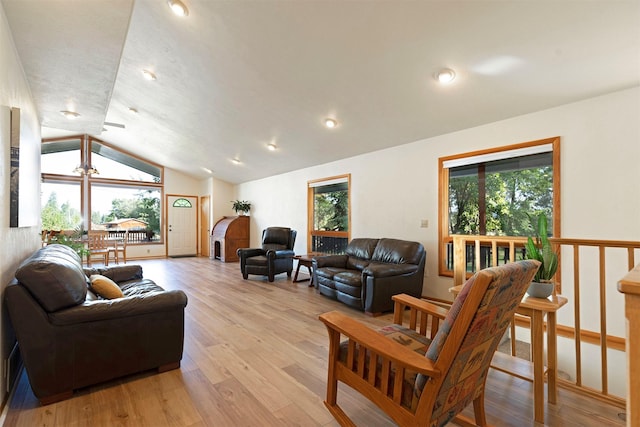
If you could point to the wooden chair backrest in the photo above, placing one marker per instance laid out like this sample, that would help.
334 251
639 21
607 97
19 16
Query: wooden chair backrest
468 338
97 240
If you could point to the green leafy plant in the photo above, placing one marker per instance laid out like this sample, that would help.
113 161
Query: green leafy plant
241 205
74 242
541 249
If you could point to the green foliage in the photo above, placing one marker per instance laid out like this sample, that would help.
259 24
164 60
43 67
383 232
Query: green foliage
541 249
331 211
145 206
241 206
509 196
59 217
74 241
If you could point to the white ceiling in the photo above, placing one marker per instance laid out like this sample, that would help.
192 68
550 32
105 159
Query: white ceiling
236 75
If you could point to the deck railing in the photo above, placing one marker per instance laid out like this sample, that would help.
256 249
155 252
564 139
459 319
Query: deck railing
630 287
591 326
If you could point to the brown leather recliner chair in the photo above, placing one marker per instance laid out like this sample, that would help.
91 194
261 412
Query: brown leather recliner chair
274 257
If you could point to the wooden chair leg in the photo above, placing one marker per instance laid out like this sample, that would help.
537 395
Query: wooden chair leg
478 410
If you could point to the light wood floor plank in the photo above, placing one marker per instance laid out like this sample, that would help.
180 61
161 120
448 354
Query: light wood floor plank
255 354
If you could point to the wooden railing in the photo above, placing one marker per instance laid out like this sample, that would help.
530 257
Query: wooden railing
588 274
630 287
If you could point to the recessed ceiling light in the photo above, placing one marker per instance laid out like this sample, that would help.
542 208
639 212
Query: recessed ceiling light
133 110
446 75
330 123
70 114
178 8
272 146
148 75
235 161
207 170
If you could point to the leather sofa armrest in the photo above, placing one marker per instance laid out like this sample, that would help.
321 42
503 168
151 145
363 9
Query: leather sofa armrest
99 310
118 273
388 270
249 252
285 253
339 261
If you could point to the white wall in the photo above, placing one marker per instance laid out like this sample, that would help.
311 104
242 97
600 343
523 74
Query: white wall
393 189
15 243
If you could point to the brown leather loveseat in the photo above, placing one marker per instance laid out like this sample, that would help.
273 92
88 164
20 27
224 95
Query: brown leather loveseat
70 337
370 272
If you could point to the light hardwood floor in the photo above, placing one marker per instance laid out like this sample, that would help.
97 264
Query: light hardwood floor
255 354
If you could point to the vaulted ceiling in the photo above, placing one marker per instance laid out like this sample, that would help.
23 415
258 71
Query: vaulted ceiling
233 76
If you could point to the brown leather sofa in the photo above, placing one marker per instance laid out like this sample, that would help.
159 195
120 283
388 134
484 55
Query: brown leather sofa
370 272
70 338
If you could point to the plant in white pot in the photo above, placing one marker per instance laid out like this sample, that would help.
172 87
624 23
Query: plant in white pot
541 250
241 207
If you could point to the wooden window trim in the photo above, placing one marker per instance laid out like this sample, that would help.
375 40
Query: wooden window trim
443 192
310 231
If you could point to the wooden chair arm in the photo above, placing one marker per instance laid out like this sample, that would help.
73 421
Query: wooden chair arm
383 347
421 305
422 314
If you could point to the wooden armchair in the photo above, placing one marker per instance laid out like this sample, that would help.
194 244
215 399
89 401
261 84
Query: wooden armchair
426 373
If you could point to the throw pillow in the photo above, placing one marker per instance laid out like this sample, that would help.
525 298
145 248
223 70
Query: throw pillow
105 287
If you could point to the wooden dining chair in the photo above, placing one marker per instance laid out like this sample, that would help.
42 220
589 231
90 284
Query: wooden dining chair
426 373
119 248
98 246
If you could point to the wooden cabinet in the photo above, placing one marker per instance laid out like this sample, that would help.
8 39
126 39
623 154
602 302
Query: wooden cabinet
229 234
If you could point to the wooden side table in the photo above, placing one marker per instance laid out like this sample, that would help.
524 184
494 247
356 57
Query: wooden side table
536 309
307 261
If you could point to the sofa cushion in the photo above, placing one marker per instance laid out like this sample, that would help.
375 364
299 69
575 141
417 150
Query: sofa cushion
105 287
351 290
361 248
54 276
257 260
119 273
398 252
351 278
139 287
328 272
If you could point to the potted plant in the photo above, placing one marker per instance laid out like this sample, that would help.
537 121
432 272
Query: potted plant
241 207
541 250
73 241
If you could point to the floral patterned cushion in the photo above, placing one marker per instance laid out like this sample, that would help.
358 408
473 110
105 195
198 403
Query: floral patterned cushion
465 378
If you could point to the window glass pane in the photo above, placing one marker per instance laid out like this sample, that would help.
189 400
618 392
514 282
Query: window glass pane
117 165
60 204
329 232
495 198
331 207
182 203
119 208
60 157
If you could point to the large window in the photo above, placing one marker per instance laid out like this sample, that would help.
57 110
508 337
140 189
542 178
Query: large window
88 184
329 214
61 205
496 193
